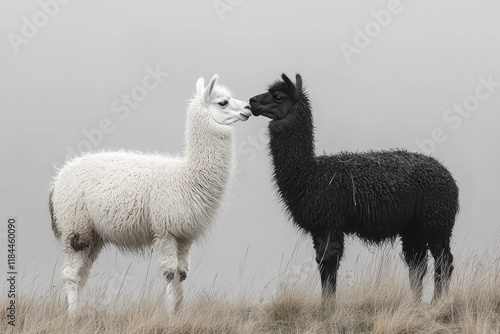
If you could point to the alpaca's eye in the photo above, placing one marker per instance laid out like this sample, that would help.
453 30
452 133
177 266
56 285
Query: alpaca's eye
278 98
223 103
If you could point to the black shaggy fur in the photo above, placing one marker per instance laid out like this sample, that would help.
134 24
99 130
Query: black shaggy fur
376 196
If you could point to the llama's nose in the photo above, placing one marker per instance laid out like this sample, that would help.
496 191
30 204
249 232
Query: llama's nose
248 110
253 100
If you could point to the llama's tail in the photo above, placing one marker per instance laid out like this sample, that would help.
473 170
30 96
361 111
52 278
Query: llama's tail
55 228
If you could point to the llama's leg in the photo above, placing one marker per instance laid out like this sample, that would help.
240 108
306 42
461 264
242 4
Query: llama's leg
76 273
443 265
78 248
168 263
329 250
415 252
71 276
175 295
93 253
183 247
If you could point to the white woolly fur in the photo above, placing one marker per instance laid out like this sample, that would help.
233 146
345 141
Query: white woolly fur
134 200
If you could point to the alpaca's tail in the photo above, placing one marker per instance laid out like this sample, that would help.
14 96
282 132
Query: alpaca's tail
55 229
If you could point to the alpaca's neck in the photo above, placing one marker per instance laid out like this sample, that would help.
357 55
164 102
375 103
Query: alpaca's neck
292 139
208 148
292 148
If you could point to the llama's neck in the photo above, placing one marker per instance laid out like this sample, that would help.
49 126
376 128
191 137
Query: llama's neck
292 149
209 147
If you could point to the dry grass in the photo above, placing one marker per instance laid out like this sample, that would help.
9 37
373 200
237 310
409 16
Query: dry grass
378 302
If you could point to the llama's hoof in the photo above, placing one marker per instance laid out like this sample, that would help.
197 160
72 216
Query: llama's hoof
182 276
169 276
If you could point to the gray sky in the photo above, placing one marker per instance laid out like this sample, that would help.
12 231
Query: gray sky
381 74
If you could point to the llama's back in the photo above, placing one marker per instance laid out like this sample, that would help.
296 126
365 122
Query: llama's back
384 192
111 193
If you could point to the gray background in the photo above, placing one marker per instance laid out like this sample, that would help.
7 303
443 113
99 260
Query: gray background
391 94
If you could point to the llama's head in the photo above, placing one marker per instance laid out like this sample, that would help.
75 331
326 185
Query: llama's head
279 99
221 105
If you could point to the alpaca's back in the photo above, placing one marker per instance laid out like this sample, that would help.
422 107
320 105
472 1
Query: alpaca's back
380 195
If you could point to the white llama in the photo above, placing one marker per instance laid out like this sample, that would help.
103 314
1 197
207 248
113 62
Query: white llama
135 200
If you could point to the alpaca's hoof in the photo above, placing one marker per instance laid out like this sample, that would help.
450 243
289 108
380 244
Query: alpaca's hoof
169 276
182 276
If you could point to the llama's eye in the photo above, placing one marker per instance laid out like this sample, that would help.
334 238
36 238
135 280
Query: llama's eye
278 98
223 103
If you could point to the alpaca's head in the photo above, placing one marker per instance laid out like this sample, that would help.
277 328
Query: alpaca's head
279 99
219 102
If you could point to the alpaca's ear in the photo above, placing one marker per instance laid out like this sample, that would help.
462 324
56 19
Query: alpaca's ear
200 86
291 87
287 80
209 89
298 83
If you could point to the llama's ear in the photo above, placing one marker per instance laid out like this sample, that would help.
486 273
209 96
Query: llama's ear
298 83
291 87
200 86
209 89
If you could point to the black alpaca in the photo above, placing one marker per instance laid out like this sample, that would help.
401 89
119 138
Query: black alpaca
377 196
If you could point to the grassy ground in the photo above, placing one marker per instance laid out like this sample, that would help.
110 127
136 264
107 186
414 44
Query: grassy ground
378 301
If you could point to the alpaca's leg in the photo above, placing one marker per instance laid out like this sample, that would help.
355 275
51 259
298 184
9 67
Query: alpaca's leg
415 252
168 262
443 265
183 247
329 250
